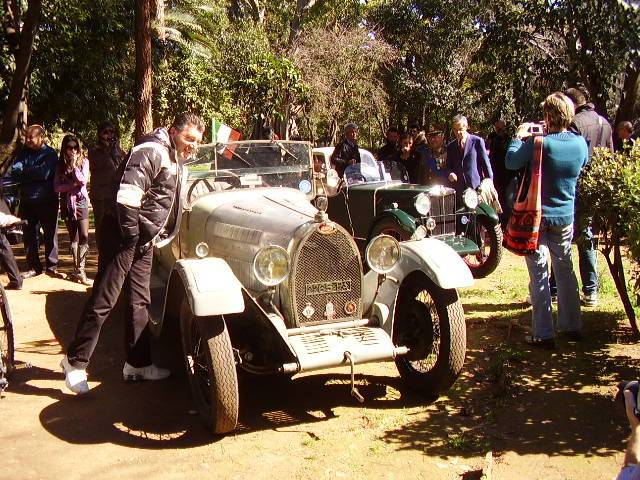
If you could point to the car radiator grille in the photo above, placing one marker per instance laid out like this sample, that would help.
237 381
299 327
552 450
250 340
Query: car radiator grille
443 211
326 275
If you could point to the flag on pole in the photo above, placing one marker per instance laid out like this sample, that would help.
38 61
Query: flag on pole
221 133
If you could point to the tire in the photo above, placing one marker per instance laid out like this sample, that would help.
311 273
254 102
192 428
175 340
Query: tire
391 227
429 320
7 351
211 369
485 262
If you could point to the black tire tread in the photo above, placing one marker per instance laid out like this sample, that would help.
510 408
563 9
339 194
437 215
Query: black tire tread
488 267
8 358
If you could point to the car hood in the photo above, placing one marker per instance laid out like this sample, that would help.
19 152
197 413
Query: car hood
384 195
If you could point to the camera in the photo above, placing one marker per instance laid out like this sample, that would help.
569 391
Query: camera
634 387
536 129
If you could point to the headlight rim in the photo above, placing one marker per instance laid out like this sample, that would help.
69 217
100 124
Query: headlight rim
259 277
422 196
375 268
467 201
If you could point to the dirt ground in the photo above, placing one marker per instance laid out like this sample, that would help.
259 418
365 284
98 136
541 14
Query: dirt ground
515 413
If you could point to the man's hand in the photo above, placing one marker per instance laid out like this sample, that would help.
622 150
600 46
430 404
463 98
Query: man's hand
453 177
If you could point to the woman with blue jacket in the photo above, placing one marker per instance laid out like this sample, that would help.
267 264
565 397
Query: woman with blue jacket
563 156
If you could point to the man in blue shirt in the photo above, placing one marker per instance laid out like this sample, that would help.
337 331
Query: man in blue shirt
34 170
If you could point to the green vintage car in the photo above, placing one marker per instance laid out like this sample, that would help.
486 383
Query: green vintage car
368 203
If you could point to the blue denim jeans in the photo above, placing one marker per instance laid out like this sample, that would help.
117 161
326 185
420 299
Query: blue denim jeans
555 241
587 261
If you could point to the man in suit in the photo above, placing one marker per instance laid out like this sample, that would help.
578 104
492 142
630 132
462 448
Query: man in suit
467 158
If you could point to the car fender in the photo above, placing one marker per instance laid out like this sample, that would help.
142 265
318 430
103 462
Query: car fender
486 210
431 256
211 286
406 221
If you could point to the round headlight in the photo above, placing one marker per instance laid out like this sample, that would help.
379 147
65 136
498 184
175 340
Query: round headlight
383 252
332 178
271 265
321 203
470 198
202 250
423 203
430 224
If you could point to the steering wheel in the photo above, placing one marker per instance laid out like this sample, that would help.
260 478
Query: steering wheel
198 188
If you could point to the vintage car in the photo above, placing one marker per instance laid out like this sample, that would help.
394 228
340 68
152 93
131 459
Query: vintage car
260 280
368 203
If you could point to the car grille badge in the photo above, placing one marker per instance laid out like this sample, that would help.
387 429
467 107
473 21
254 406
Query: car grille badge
308 311
329 311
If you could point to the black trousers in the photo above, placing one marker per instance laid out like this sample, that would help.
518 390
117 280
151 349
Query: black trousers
124 268
98 214
45 215
8 261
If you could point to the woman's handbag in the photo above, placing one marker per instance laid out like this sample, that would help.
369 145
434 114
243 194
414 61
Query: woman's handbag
523 229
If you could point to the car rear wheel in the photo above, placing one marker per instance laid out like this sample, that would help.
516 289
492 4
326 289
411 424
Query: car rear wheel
429 320
488 237
211 369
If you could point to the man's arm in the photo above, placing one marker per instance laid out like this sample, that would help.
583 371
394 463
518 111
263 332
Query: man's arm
138 174
485 164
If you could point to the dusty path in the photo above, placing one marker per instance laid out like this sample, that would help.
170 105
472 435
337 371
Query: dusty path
515 413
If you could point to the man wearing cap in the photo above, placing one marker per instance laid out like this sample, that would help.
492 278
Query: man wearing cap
433 168
346 152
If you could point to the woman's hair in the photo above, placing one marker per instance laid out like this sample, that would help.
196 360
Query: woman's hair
558 111
62 159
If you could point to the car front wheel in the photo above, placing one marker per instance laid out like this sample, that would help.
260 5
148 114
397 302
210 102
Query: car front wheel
211 369
488 237
429 320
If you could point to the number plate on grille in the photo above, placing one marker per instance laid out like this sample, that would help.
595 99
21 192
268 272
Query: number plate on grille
328 287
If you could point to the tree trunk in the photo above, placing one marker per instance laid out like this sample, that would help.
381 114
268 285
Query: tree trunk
12 108
630 100
616 268
144 72
158 17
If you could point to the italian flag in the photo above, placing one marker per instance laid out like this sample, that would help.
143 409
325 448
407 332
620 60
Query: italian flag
221 133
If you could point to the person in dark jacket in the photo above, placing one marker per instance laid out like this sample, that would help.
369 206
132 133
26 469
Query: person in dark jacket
467 158
346 152
433 167
626 137
104 158
597 132
145 212
34 170
390 147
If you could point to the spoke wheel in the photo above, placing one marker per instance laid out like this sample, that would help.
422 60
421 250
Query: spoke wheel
6 336
429 321
488 237
211 369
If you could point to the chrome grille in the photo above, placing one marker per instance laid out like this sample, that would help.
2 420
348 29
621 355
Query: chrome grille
325 268
443 211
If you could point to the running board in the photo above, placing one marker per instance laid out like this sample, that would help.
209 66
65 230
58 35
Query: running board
337 347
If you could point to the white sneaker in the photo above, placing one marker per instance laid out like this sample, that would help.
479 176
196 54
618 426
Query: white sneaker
589 299
150 372
74 378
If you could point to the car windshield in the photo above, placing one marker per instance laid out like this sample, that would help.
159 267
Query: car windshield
251 164
367 171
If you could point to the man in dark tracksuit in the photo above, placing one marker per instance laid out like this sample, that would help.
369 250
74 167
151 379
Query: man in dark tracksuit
145 212
346 152
34 170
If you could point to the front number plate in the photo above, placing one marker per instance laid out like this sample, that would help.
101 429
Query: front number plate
328 287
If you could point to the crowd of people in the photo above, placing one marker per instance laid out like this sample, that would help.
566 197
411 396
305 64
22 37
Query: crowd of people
572 130
54 185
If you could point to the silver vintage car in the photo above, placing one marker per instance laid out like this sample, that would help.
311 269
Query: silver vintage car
259 279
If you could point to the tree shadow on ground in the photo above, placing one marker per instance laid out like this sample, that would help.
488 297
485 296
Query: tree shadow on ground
513 397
